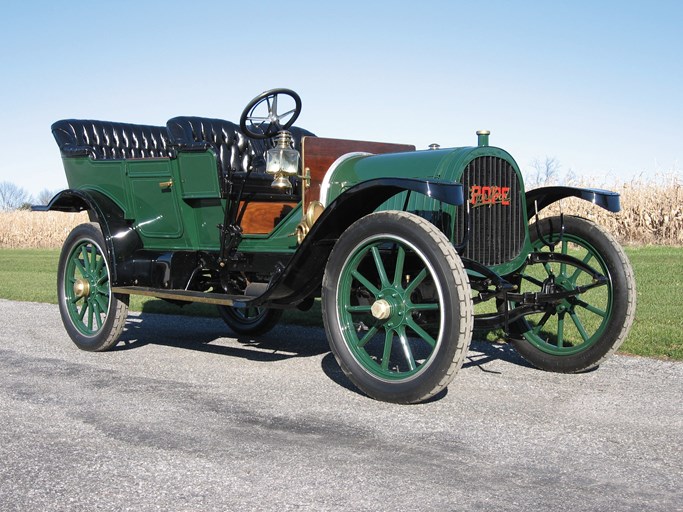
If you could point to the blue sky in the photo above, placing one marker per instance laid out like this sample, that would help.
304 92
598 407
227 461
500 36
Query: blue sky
596 85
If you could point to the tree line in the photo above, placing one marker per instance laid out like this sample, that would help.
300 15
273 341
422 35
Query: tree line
13 197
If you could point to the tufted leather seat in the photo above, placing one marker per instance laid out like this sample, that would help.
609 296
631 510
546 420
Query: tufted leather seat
232 148
107 140
236 153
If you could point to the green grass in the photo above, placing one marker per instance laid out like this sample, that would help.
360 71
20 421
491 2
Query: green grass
658 327
31 274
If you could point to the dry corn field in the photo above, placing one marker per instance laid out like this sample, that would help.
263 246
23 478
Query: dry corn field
651 214
38 230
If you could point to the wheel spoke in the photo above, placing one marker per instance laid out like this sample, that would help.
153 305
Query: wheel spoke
406 348
532 280
416 282
99 267
83 311
579 326
84 256
563 266
575 275
400 260
427 306
366 308
97 313
81 268
380 267
103 279
368 336
543 321
386 355
421 332
364 281
99 299
591 308
93 260
560 330
91 314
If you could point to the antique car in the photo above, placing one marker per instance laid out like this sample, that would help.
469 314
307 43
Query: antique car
399 245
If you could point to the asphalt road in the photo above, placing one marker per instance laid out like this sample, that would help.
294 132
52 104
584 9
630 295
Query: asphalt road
183 417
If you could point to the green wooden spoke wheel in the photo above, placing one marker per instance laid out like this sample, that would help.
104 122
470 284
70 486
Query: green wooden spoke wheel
250 320
397 307
93 316
578 332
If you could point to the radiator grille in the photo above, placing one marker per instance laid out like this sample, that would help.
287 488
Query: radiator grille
497 221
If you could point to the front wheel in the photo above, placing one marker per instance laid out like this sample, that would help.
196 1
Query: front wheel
93 316
397 307
579 332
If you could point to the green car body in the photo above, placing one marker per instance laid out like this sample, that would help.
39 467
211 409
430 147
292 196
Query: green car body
186 213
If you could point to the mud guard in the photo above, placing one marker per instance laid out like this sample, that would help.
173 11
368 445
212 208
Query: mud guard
540 198
303 274
120 238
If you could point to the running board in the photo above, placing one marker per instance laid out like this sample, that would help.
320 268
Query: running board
239 301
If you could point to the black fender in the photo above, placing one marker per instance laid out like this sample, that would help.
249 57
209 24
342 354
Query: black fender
303 274
539 198
120 237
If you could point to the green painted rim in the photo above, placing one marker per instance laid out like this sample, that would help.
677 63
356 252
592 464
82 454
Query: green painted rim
86 287
576 324
390 270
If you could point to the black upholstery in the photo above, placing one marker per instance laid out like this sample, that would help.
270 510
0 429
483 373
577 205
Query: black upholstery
108 140
236 153
232 148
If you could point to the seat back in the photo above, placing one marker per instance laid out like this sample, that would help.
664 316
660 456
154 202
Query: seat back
105 140
237 154
232 148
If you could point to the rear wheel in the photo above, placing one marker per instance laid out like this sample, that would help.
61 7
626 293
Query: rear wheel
93 316
251 320
579 332
396 307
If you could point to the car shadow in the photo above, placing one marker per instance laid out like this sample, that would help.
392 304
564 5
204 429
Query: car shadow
331 368
483 352
283 342
480 355
205 334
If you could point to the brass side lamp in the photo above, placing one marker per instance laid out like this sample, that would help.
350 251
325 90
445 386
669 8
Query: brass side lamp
282 161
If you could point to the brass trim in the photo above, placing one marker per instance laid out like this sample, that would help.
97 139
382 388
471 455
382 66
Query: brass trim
81 288
314 210
381 309
166 184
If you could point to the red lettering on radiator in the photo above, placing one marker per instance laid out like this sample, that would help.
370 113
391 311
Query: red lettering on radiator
489 195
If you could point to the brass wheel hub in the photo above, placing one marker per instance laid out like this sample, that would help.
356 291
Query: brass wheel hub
381 309
81 288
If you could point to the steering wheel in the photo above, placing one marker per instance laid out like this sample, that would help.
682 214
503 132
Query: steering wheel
270 112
